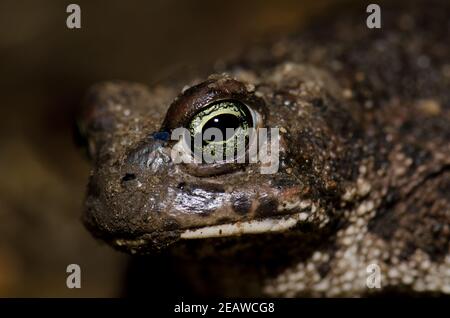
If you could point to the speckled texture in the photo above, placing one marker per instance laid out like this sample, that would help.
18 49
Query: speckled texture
364 152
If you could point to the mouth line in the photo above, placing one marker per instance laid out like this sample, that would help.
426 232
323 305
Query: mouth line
276 224
258 226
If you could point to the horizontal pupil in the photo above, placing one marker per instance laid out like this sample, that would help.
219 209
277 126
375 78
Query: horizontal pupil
222 122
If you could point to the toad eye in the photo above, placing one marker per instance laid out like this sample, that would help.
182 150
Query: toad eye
221 129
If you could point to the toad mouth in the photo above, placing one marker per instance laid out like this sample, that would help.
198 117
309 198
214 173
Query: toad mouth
257 226
275 224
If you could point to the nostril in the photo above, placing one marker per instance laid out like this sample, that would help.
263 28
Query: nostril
128 177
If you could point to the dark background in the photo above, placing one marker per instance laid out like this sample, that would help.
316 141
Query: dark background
45 69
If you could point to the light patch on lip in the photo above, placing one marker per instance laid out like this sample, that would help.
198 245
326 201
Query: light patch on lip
249 227
296 204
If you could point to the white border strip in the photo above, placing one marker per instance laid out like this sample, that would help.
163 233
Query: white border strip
249 227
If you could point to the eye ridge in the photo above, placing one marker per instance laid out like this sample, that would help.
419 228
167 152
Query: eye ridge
202 96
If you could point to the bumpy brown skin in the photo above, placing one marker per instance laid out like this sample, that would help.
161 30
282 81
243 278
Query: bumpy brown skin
364 117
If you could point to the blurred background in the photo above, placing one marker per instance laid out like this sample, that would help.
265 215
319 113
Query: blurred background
46 68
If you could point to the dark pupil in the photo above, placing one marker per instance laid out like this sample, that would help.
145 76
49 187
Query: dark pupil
222 122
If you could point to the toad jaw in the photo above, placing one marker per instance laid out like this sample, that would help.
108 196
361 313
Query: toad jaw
267 225
274 224
280 223
277 224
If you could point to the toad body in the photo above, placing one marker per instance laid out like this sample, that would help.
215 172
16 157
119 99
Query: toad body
362 186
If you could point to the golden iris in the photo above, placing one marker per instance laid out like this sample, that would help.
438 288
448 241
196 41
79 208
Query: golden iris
221 129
